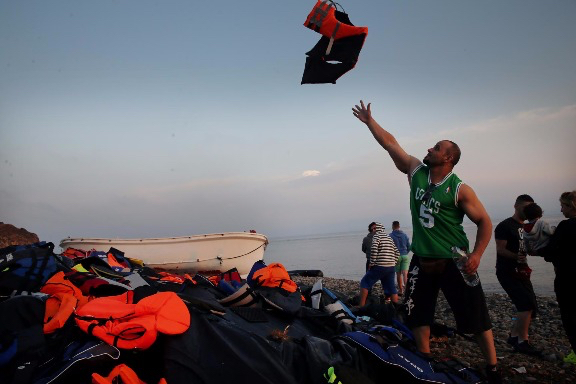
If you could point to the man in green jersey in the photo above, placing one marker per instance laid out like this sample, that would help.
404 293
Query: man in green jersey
438 202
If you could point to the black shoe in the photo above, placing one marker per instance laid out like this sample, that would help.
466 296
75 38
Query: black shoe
526 348
512 340
493 375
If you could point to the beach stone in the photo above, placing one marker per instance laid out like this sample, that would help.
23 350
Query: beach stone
10 235
550 357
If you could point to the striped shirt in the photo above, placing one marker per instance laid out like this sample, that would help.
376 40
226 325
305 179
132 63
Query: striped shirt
383 252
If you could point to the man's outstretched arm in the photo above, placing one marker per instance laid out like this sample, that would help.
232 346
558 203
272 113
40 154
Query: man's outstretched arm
403 161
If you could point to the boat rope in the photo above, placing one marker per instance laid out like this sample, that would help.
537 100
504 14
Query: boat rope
247 253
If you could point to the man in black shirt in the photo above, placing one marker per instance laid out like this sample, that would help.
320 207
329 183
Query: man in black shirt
367 242
513 274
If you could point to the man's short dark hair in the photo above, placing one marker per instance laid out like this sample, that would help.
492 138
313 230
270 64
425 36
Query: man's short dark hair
395 223
370 226
524 199
455 152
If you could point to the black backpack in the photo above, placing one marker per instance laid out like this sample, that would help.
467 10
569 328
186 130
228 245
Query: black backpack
27 268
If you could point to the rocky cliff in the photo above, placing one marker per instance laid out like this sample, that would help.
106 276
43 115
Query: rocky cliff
10 235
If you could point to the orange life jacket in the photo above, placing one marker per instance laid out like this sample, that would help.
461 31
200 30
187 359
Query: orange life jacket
59 283
173 278
59 308
113 261
121 374
123 324
73 253
274 275
322 19
64 298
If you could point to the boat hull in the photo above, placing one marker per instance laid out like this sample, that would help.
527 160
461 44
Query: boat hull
210 253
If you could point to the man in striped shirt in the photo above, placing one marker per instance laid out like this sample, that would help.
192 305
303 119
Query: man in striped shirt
382 266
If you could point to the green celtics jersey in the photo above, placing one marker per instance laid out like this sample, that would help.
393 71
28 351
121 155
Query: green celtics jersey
436 217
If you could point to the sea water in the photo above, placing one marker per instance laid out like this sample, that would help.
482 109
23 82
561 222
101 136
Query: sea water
339 255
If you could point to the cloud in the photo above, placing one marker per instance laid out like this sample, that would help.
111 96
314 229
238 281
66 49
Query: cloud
524 121
310 173
526 152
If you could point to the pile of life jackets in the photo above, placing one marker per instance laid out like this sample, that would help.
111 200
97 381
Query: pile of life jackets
46 298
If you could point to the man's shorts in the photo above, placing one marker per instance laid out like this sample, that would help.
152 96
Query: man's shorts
386 276
519 290
426 277
403 263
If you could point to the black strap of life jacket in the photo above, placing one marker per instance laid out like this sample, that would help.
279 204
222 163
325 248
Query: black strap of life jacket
91 327
316 292
115 342
336 5
130 331
258 281
94 321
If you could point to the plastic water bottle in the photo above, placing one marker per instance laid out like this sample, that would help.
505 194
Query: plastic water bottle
460 258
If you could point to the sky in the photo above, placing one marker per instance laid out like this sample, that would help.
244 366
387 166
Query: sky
132 119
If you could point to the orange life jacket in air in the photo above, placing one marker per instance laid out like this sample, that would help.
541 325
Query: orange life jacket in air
322 19
339 47
122 323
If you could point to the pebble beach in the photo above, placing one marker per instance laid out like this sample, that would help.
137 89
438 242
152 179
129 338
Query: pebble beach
546 333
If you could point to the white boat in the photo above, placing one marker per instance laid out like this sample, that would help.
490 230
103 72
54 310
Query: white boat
216 252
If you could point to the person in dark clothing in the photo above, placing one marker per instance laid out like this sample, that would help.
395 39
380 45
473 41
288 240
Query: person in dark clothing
513 273
561 251
367 243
